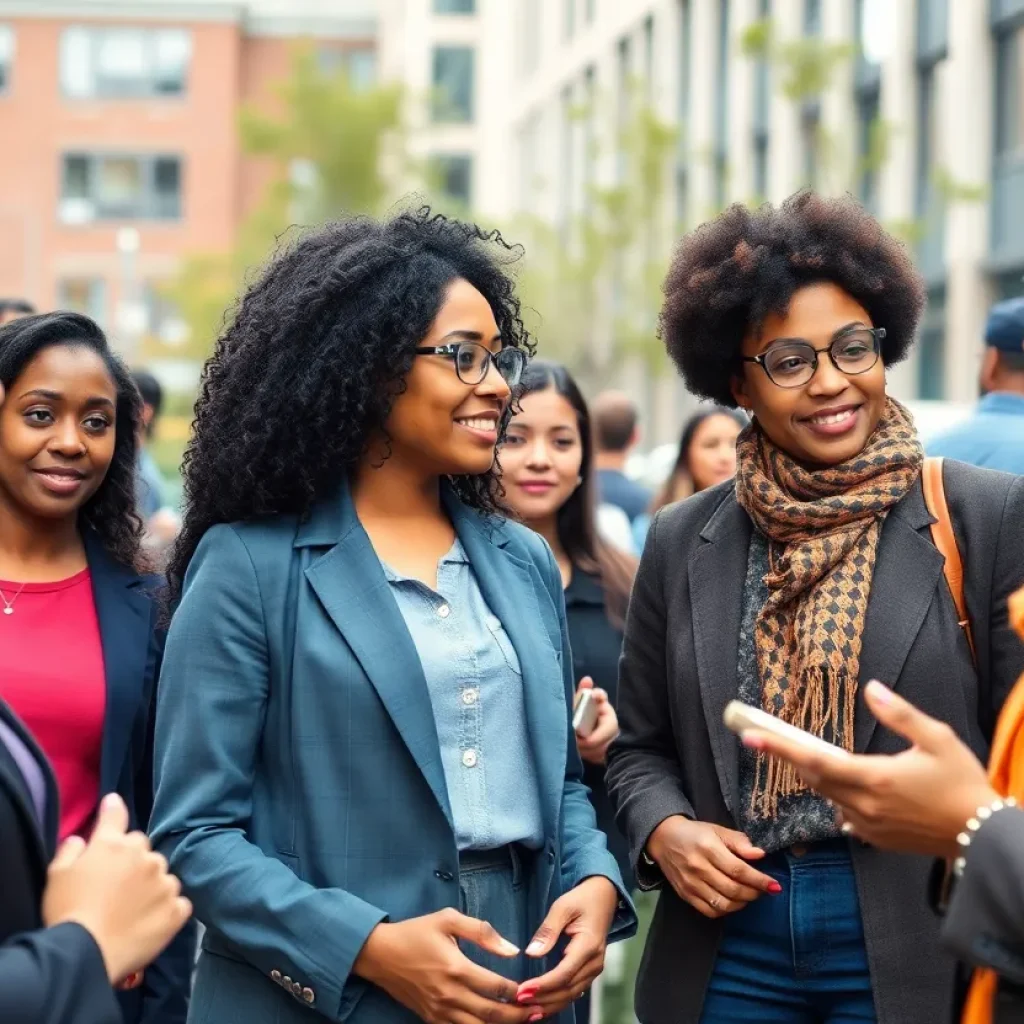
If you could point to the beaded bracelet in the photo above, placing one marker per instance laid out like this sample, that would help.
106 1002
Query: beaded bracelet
981 815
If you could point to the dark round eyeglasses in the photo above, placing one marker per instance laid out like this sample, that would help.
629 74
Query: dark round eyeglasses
792 362
472 361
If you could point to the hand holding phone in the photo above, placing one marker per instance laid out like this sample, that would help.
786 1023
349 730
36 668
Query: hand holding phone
585 712
739 717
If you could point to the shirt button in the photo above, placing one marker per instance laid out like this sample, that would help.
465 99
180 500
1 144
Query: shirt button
469 696
444 611
469 758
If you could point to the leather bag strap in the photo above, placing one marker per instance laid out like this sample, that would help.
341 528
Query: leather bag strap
945 540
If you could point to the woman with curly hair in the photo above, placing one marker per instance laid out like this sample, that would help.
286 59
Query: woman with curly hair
79 645
791 588
366 775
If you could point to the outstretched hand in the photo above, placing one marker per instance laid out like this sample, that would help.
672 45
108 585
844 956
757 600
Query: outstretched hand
916 801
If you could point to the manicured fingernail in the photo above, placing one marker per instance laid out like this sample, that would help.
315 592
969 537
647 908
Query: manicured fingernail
880 692
527 995
508 948
535 948
536 1017
775 888
752 740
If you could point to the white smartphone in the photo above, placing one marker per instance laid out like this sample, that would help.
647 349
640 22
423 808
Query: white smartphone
584 713
739 716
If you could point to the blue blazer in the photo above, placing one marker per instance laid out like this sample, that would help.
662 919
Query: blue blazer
132 651
300 795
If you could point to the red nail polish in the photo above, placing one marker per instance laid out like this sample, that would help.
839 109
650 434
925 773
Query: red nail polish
526 995
536 1017
775 888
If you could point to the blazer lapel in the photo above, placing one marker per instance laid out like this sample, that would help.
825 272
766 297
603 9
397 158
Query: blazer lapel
908 567
124 612
350 584
44 833
513 590
717 572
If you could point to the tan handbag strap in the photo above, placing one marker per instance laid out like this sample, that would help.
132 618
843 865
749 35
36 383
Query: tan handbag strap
945 540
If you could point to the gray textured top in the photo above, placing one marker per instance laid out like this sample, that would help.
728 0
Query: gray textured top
804 817
476 690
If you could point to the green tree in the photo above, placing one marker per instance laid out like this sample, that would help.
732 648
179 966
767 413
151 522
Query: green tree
335 149
592 283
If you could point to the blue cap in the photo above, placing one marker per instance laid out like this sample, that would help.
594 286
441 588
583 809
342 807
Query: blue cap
1005 327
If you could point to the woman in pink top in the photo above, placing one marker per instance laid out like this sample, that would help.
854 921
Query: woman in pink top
79 647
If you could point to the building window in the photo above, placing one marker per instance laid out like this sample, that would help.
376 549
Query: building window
126 63
1009 128
812 17
762 112
163 319
529 35
568 19
455 6
86 295
6 56
649 56
453 84
931 348
761 167
868 126
591 11
453 177
360 66
116 187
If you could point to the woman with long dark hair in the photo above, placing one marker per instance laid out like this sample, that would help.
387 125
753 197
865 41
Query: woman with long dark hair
365 772
791 588
547 466
79 644
706 457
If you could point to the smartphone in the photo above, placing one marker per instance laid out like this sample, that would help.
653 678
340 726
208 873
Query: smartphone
584 713
739 716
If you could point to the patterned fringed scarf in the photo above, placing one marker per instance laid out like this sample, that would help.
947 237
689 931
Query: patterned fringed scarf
823 527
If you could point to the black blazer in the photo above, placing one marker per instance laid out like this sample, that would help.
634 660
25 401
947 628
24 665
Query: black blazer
596 647
132 651
984 923
52 975
678 672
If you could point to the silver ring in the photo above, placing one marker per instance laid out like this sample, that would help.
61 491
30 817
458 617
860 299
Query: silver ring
846 828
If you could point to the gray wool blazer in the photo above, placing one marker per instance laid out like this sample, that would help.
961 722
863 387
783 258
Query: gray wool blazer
678 671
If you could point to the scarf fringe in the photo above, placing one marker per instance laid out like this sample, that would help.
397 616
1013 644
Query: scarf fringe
826 710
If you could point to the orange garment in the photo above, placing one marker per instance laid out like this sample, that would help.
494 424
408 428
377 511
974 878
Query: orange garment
1006 772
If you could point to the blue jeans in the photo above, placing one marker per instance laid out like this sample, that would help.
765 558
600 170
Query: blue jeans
798 957
492 888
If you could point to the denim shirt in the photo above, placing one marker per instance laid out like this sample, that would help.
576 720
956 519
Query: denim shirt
476 690
993 437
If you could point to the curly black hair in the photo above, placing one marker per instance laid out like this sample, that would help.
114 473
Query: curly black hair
307 371
111 511
730 273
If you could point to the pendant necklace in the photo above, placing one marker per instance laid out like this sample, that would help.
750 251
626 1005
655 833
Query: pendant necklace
9 605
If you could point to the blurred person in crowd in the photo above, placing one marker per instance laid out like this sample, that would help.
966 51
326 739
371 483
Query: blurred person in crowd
150 482
936 799
707 456
14 309
79 644
547 469
994 434
359 630
616 433
162 523
100 914
789 588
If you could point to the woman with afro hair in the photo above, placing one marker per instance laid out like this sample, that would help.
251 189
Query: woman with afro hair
365 770
791 588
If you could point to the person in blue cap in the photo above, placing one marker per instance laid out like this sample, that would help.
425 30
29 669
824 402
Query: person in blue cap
994 434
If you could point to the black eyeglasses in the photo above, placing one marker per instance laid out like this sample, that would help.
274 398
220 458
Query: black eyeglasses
473 362
791 363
